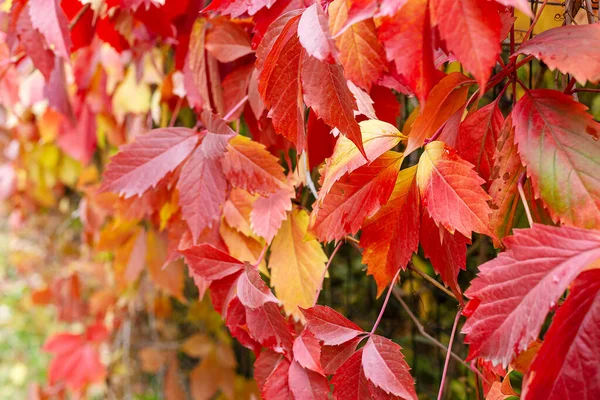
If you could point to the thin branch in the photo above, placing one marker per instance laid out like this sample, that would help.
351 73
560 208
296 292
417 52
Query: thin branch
77 17
431 280
592 90
448 354
385 302
535 20
433 340
326 269
523 199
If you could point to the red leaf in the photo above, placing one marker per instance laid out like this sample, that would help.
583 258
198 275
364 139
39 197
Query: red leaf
313 32
269 327
83 32
227 41
79 140
76 360
391 235
279 83
252 290
385 104
236 323
320 140
568 364
48 18
447 252
517 289
447 97
222 293
478 138
276 385
361 54
210 263
202 190
326 92
332 357
349 382
451 192
307 351
330 326
384 366
235 86
555 47
472 34
565 177
355 197
140 165
56 92
264 365
408 41
235 8
306 384
248 165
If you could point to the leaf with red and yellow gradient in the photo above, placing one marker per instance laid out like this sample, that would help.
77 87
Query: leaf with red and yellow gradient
378 137
356 196
451 191
391 235
515 291
447 97
507 169
361 54
248 165
140 165
169 277
568 363
472 33
297 264
558 143
326 92
408 41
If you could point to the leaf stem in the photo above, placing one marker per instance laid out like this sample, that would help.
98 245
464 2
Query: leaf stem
176 112
326 269
235 108
448 354
431 280
261 256
523 199
385 302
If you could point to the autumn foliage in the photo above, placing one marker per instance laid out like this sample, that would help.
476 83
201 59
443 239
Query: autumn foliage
223 152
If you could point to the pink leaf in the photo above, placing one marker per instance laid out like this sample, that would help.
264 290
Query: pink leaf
516 290
307 351
306 384
48 18
140 165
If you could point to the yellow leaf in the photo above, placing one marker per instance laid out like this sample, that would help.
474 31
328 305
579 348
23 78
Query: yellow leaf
198 345
131 97
170 278
297 264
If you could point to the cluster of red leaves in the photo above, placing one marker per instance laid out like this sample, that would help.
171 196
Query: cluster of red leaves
346 60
